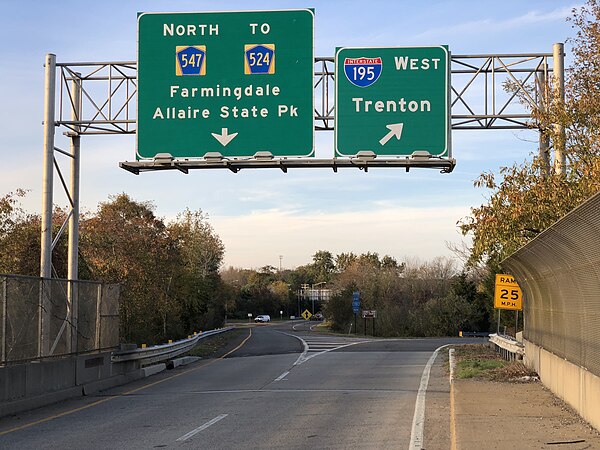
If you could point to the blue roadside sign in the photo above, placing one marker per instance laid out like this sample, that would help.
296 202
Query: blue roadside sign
356 302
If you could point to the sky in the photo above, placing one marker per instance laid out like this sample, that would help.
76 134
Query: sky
261 215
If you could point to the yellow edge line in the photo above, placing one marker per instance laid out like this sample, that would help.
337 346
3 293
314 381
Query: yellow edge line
81 408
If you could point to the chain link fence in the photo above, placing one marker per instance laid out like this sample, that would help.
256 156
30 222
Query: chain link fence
52 317
559 272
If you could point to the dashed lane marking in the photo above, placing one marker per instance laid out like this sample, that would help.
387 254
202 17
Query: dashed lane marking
282 376
202 427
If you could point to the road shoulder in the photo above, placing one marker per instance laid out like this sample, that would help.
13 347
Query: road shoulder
437 405
499 415
512 415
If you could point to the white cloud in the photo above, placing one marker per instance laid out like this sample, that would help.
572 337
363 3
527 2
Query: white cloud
258 238
491 25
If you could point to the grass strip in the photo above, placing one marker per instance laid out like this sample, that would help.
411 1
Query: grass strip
480 361
214 346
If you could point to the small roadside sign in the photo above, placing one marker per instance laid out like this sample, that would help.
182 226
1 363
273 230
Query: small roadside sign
507 293
369 314
306 314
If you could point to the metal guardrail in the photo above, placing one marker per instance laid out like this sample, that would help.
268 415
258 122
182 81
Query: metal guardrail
474 333
508 347
163 352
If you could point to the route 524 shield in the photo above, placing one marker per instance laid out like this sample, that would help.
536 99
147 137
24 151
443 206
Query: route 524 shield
362 72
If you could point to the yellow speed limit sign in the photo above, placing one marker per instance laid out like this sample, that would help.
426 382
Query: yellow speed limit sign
507 294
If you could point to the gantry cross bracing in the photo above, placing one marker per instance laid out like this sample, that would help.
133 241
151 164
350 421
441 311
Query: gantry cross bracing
496 91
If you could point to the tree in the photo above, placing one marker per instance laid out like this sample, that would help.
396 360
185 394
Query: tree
344 260
20 238
280 291
124 242
323 265
197 288
479 305
201 249
11 211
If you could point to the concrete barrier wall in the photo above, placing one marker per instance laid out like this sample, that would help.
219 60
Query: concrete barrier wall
575 385
32 385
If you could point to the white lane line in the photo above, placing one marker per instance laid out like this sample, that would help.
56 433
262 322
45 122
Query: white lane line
302 356
323 346
192 433
282 376
291 391
416 434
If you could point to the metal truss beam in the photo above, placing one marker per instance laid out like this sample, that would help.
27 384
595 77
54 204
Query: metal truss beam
487 92
108 97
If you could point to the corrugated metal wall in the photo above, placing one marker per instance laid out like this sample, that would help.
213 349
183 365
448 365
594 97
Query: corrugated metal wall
559 273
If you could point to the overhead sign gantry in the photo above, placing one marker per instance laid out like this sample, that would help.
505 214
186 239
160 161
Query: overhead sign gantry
274 117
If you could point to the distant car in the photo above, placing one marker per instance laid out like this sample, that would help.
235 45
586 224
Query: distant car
262 318
317 316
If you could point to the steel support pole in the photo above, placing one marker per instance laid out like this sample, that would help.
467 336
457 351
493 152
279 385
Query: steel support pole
47 192
48 166
498 330
544 139
98 337
559 99
73 248
4 319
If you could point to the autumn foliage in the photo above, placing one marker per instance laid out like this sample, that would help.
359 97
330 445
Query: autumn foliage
526 198
168 271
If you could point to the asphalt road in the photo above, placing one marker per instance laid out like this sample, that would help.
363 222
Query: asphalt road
283 388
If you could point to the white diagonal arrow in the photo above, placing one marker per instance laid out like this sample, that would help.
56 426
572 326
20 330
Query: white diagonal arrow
395 130
224 138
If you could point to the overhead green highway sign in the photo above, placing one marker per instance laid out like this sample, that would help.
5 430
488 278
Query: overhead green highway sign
236 83
392 101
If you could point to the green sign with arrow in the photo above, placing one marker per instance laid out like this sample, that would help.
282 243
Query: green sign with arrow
392 101
236 83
